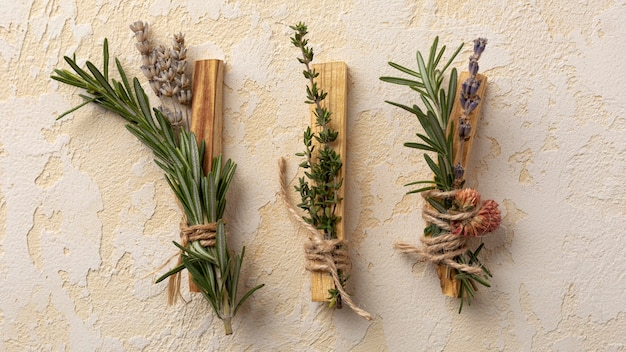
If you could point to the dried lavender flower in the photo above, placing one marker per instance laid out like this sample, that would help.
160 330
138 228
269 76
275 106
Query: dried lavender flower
469 101
468 98
474 85
138 26
149 71
184 97
458 172
167 90
470 105
464 130
479 46
148 60
140 29
165 68
163 52
175 117
473 67
183 81
156 87
144 48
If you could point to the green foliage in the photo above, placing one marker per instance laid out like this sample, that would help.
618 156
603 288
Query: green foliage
434 117
427 81
319 188
468 281
202 197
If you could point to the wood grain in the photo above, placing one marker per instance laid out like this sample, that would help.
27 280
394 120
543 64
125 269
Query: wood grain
333 79
206 107
206 113
457 110
449 285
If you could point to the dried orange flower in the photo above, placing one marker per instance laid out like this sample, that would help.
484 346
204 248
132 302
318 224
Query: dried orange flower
466 199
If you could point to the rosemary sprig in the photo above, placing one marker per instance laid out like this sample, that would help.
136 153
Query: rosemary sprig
320 197
438 102
202 197
434 118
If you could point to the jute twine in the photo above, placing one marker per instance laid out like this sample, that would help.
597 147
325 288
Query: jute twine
443 248
322 255
205 233
316 251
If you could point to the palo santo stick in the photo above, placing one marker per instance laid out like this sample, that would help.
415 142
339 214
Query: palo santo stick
206 113
333 79
449 285
473 117
206 107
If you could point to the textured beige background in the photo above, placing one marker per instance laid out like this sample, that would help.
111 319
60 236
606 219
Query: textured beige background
85 215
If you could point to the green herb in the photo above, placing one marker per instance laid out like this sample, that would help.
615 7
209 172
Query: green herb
438 103
320 197
202 197
434 117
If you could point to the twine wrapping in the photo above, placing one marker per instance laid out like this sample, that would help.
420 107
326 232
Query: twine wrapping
444 248
205 233
317 249
322 255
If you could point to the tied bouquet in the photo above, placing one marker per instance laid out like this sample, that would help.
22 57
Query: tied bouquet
199 185
454 214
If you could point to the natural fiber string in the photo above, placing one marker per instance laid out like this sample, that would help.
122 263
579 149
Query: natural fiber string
205 233
444 248
323 255
317 250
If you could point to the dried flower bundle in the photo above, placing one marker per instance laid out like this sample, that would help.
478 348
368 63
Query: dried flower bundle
204 251
453 213
166 71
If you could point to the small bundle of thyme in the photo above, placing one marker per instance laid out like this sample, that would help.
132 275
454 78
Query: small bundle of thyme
320 197
214 269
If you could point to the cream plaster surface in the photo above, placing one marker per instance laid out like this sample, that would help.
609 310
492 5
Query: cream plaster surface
85 216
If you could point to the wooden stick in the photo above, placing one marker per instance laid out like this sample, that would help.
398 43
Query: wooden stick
449 285
206 113
333 79
457 110
206 107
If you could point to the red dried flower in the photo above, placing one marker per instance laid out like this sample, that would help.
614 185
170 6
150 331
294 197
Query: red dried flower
491 215
486 220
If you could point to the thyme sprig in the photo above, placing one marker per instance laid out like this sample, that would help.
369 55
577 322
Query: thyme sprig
202 197
320 185
321 199
434 117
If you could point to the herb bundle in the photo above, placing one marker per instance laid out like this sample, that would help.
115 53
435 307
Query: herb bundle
204 251
453 213
319 190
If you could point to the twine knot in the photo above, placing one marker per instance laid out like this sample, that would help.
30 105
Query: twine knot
322 255
205 233
319 252
442 249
